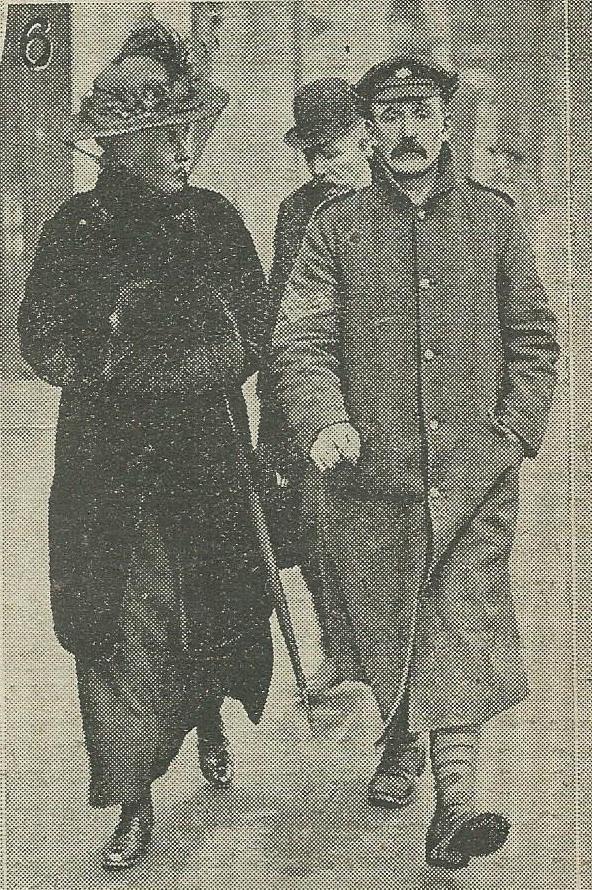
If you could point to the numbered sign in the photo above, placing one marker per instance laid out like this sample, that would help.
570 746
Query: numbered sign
36 48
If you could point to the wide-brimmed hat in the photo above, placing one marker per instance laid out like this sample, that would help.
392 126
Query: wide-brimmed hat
406 77
152 82
323 110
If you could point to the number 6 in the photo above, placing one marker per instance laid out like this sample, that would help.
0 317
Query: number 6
36 44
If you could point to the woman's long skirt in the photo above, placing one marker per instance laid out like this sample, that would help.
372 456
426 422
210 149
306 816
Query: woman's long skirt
138 705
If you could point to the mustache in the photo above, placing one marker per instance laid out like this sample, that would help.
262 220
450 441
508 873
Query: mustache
408 147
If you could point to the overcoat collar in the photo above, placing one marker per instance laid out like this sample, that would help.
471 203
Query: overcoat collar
119 189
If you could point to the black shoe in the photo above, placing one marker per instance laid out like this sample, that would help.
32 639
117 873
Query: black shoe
131 839
216 760
394 784
453 838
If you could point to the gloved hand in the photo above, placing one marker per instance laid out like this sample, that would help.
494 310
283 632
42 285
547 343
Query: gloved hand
340 441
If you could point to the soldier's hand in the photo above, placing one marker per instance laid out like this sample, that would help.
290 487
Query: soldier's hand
340 441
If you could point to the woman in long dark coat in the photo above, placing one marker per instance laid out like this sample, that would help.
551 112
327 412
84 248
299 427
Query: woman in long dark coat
146 304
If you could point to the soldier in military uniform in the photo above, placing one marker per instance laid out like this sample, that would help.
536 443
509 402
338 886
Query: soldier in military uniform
145 305
330 132
415 358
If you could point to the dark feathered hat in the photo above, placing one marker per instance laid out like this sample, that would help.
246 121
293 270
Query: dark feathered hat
152 82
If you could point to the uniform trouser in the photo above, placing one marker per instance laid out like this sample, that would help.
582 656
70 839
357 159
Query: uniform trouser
454 751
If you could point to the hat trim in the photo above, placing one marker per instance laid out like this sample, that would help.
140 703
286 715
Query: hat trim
418 90
445 80
81 129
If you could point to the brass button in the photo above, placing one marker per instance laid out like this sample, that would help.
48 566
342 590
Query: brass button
434 424
424 283
429 354
421 214
434 492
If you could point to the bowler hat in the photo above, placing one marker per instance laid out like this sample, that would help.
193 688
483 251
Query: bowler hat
323 110
403 78
152 82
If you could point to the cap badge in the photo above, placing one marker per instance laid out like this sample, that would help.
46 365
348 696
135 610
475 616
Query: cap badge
402 72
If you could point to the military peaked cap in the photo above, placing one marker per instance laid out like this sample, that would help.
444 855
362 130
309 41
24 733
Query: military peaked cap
405 78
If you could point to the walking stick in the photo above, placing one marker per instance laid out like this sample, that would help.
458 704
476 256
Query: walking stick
259 520
275 586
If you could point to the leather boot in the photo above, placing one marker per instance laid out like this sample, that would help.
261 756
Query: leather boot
458 830
394 784
131 839
215 757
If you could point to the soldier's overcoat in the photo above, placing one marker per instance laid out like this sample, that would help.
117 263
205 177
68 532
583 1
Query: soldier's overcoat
276 447
424 326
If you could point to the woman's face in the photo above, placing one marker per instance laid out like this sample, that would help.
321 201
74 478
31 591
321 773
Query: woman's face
164 156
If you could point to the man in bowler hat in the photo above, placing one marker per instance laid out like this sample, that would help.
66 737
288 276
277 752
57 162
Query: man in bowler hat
415 358
331 135
145 305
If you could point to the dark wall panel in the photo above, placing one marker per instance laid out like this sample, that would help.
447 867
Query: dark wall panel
35 178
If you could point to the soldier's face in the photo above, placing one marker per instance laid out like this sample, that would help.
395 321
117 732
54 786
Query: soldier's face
409 133
164 157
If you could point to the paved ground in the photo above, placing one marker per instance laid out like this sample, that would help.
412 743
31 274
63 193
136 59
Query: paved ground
297 817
